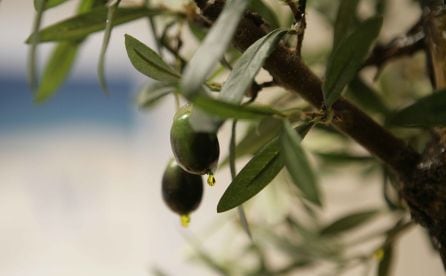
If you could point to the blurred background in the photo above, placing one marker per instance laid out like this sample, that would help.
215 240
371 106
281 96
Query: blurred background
80 175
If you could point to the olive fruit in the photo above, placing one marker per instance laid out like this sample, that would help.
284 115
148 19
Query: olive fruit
196 152
182 191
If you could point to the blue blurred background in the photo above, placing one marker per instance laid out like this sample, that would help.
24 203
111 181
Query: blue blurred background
77 102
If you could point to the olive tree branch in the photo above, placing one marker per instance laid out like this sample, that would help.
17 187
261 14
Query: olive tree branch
288 70
422 187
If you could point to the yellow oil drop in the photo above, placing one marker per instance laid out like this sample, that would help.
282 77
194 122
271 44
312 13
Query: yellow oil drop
378 254
211 179
185 220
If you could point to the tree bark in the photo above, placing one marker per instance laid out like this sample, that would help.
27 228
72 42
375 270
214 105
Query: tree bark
423 177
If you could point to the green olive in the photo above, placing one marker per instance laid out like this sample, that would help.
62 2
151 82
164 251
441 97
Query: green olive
196 152
182 191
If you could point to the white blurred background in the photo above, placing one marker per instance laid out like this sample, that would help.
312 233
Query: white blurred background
80 175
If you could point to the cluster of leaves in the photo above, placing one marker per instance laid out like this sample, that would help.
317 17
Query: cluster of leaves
275 130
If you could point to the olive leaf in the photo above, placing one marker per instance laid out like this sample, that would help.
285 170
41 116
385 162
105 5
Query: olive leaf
342 158
345 19
256 174
255 137
213 47
106 39
48 5
82 25
233 90
56 71
197 30
208 114
348 222
32 59
60 62
298 165
224 109
248 65
366 97
148 62
347 58
428 111
151 93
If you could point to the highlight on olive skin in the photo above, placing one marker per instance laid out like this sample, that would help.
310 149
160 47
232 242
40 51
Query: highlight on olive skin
195 152
182 191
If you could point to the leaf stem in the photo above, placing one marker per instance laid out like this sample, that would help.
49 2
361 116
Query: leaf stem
232 168
152 26
105 41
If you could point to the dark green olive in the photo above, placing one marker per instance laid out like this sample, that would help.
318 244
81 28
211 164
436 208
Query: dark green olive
196 152
182 191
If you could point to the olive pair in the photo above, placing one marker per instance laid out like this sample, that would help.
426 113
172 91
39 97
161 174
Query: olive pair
196 154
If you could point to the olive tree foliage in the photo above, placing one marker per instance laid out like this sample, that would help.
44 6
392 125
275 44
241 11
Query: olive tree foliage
366 96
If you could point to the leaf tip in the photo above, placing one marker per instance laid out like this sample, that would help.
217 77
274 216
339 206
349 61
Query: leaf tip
39 98
221 208
224 204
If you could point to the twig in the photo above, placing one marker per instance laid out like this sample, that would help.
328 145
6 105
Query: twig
300 22
232 155
406 45
152 25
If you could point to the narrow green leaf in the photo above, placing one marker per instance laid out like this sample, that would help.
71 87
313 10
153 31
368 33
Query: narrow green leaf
345 20
57 69
429 111
256 136
342 158
82 25
213 47
32 55
297 164
366 97
105 41
248 65
347 58
60 62
238 81
197 30
148 62
88 5
266 12
256 174
210 112
234 111
385 264
49 4
348 222
150 94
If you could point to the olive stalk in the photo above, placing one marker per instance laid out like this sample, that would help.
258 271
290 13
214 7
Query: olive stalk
233 169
